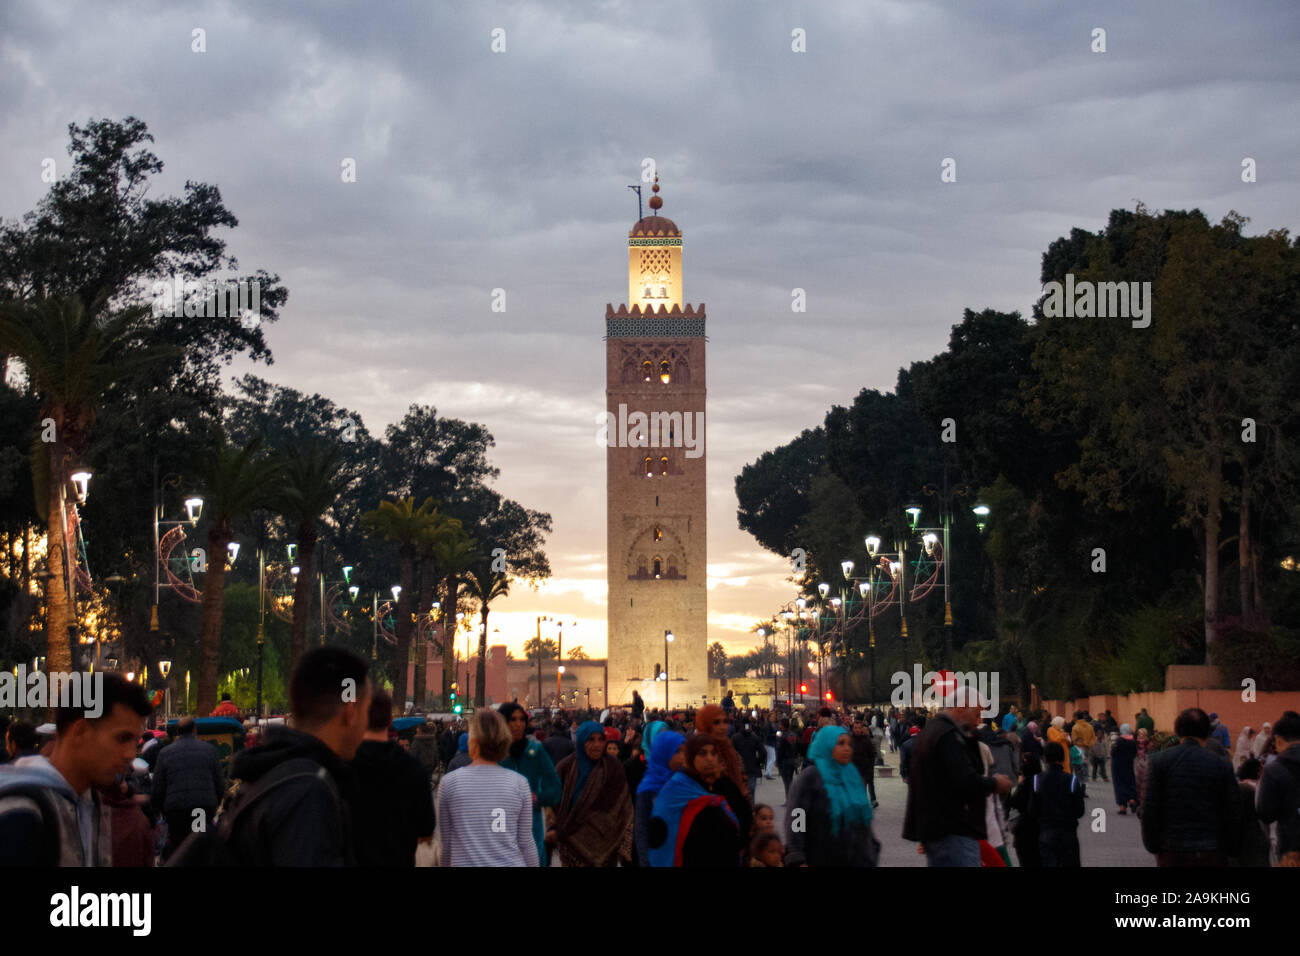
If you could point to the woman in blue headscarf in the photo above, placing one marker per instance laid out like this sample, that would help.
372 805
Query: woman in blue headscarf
593 821
835 807
695 822
667 755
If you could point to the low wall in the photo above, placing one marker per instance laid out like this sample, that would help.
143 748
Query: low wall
1164 706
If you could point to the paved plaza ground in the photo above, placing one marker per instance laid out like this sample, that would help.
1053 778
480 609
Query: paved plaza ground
1119 845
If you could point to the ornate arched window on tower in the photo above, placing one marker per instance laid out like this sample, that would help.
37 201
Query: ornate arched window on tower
647 370
649 467
665 372
663 465
659 534
658 567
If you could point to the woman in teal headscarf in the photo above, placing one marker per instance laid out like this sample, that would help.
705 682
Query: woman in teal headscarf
835 807
652 730
529 758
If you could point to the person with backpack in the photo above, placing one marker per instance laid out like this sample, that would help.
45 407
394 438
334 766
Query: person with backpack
1055 806
1277 799
289 806
50 812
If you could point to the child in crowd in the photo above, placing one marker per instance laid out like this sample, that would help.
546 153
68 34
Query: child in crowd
766 850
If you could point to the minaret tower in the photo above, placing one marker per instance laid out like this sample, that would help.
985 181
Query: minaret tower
655 476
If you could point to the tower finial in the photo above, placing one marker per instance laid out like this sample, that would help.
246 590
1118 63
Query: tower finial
655 201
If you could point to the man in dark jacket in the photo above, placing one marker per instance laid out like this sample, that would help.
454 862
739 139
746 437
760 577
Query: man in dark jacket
947 788
558 743
752 756
905 753
864 757
187 779
424 748
1278 798
299 778
1055 806
1192 812
393 809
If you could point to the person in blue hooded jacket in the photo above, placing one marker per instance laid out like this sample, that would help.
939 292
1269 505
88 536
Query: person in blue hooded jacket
667 756
700 818
462 758
529 759
832 807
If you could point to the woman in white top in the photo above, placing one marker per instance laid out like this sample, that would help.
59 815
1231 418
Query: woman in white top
485 816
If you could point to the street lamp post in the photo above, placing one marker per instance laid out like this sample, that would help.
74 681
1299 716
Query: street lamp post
946 497
166 667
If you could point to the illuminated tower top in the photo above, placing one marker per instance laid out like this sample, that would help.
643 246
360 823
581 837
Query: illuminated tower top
654 260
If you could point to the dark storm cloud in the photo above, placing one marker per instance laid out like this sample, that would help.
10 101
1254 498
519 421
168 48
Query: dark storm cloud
816 170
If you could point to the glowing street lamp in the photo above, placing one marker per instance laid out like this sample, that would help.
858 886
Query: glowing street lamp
81 481
397 591
232 548
823 589
292 550
913 513
353 591
847 567
347 574
981 516
873 544
194 509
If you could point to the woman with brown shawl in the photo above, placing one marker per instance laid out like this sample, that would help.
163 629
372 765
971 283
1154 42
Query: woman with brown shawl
593 822
712 720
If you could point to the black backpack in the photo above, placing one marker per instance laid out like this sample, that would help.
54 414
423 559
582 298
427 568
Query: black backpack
213 845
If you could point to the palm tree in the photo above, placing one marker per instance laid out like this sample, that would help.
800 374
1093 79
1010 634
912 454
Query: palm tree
404 524
485 586
440 539
313 479
71 355
235 482
453 554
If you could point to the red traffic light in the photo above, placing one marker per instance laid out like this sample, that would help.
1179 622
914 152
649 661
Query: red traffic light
828 695
803 688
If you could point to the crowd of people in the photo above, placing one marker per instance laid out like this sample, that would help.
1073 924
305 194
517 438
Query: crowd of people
335 786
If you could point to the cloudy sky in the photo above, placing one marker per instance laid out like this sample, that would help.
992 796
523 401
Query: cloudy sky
479 169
